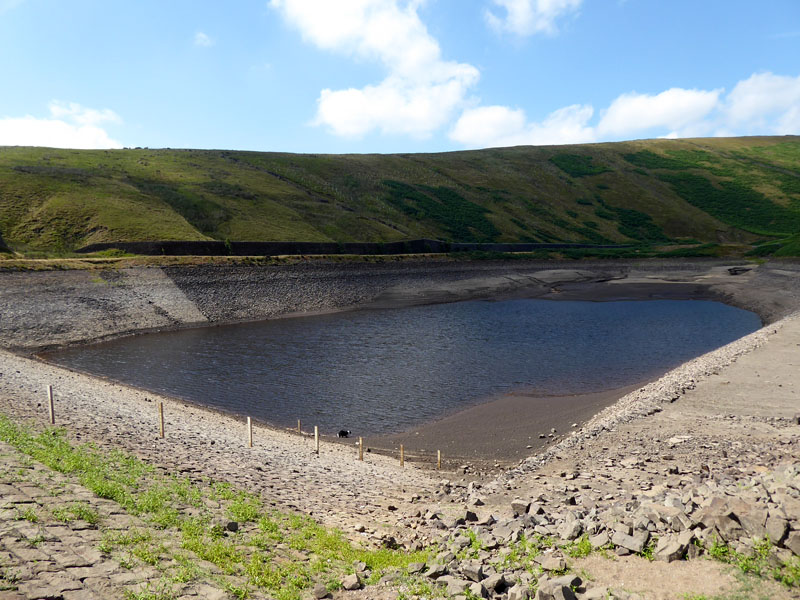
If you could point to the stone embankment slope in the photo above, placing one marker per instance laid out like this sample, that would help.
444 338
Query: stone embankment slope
54 308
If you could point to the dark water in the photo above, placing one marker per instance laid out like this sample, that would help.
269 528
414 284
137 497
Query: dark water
387 370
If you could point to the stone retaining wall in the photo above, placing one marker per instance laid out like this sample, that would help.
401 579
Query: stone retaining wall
41 309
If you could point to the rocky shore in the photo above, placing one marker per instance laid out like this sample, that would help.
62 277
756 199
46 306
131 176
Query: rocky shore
706 460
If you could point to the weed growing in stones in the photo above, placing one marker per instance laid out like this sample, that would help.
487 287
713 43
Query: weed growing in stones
580 548
758 562
649 550
162 591
28 514
245 508
77 511
8 579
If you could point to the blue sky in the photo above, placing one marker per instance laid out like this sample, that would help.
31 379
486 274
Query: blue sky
393 75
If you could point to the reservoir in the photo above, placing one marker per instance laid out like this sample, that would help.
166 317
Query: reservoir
383 371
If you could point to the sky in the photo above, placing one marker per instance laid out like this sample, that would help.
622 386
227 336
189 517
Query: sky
366 76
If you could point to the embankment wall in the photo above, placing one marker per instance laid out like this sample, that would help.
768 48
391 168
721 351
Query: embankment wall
46 309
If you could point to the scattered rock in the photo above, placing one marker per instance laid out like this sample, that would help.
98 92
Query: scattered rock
351 582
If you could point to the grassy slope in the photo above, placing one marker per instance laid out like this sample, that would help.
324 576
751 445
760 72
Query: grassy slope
709 190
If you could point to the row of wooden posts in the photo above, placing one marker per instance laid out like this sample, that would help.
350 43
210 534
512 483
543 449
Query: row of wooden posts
249 432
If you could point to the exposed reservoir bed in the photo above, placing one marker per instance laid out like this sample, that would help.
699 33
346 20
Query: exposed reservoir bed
390 370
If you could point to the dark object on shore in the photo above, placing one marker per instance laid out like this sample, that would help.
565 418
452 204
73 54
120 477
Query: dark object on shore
343 433
738 270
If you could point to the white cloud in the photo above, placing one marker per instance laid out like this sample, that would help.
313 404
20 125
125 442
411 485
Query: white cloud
675 109
421 91
501 126
527 17
765 102
69 126
202 39
82 115
762 104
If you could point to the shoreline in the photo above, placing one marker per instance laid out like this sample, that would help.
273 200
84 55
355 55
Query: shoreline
490 433
503 431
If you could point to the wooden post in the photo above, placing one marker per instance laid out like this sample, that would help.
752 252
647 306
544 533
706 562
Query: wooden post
50 404
402 455
299 430
316 439
249 432
361 448
439 460
161 419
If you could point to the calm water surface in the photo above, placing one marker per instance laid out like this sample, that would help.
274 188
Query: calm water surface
383 371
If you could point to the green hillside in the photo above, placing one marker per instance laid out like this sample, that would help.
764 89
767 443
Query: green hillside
717 190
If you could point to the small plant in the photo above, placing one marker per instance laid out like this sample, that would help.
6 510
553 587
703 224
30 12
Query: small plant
789 574
148 553
29 514
245 508
8 579
757 563
77 511
579 548
163 591
649 549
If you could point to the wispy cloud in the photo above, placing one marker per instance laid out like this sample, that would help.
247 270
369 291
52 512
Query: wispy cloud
528 17
203 40
7 5
70 125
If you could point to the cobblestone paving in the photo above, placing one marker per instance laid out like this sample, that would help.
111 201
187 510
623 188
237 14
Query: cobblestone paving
48 551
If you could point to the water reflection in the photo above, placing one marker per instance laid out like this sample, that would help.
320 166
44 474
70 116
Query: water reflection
386 370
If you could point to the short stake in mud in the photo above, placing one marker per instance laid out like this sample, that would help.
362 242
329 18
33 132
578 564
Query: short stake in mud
439 460
299 430
50 405
161 420
249 432
402 455
316 439
361 448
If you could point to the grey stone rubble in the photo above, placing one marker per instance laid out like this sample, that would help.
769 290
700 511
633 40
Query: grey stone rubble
675 522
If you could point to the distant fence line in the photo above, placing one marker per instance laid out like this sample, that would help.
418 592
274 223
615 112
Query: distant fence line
423 246
420 456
